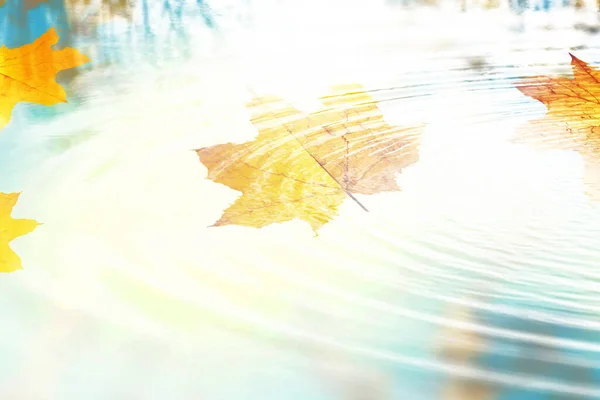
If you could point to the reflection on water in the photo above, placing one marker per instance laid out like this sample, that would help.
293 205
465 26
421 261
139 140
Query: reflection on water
477 281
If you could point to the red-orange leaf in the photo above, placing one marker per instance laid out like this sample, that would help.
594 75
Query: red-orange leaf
572 120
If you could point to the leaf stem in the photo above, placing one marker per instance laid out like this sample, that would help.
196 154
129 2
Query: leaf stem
317 161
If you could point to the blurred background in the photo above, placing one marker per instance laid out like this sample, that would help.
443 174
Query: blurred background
478 281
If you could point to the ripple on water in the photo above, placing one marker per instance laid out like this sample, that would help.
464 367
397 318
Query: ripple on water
481 267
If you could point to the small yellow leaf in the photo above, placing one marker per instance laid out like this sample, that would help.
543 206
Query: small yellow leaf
27 73
10 229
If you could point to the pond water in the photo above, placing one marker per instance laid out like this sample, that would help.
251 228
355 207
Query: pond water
477 281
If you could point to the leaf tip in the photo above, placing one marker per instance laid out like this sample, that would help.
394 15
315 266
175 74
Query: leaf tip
51 35
575 60
220 222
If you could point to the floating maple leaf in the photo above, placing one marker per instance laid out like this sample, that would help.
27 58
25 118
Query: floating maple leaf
305 165
27 73
572 121
11 229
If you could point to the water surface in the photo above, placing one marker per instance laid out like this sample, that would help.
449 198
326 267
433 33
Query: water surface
477 280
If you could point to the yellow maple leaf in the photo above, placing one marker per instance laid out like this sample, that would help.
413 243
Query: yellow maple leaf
572 120
304 165
27 73
10 229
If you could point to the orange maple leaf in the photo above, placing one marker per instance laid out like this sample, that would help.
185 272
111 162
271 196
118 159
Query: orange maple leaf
27 73
11 229
305 165
572 120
